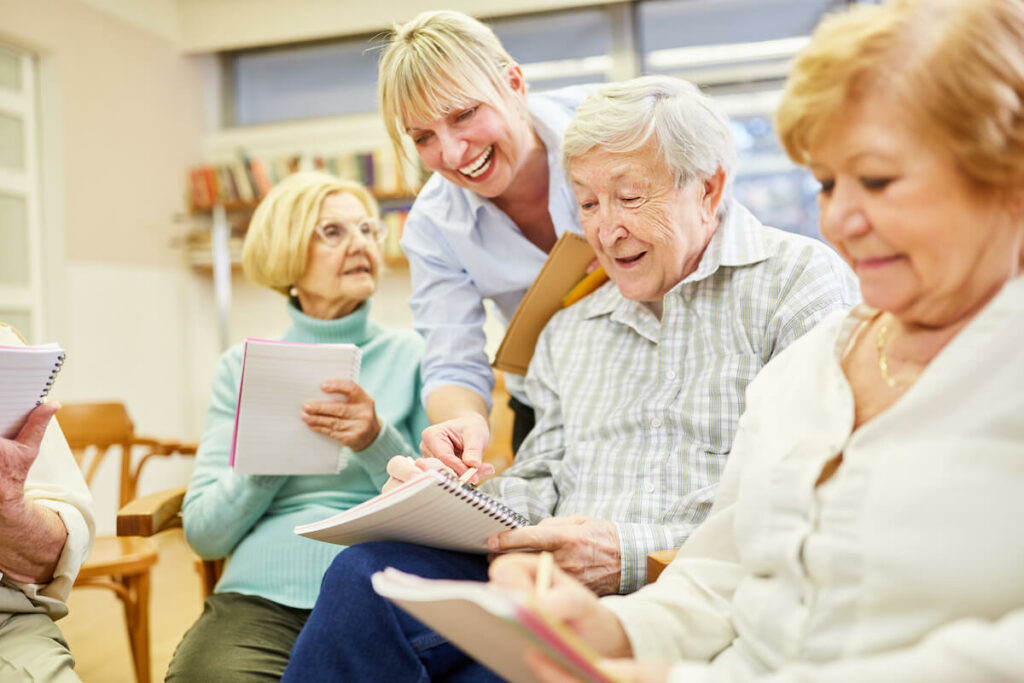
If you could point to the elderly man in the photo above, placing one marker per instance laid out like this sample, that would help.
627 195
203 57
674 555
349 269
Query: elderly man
46 531
638 388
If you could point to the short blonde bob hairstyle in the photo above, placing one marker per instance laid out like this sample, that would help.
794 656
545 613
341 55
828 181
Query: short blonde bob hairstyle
693 135
438 62
276 246
956 66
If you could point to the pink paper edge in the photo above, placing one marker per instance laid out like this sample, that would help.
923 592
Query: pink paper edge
238 405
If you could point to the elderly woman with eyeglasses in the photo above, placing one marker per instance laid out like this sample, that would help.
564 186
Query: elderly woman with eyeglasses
315 239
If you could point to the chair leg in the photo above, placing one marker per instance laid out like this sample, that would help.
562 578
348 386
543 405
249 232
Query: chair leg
136 612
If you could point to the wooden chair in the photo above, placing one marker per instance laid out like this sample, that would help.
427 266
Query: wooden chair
657 561
149 515
121 565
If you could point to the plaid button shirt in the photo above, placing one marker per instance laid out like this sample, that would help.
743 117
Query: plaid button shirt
636 416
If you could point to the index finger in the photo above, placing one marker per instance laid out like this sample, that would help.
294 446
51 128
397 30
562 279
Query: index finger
525 538
339 386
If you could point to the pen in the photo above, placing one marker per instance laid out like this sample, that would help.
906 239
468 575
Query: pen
585 286
543 580
466 476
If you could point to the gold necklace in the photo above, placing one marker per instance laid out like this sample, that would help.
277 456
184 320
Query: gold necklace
883 363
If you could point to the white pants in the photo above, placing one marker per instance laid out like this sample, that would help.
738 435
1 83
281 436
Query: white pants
33 649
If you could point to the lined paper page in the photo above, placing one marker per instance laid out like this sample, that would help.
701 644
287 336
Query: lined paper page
277 378
26 375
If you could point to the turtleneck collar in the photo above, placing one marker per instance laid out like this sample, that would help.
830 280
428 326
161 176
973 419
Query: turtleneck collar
354 328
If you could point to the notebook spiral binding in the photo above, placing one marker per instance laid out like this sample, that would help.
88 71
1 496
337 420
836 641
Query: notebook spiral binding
53 374
482 501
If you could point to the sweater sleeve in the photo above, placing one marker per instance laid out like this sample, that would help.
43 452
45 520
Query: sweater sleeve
220 506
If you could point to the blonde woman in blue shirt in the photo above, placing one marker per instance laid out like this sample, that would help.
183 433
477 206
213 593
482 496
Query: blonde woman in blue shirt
482 226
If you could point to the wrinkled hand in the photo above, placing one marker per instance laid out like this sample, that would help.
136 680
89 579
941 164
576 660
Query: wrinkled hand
352 420
624 670
459 444
402 468
586 548
18 454
566 600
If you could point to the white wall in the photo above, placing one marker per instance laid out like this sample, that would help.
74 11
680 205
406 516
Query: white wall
122 117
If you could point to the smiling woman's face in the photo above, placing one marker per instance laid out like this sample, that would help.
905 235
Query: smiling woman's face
476 145
647 233
339 278
926 244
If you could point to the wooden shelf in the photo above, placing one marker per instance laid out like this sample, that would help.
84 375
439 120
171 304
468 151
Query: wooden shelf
384 198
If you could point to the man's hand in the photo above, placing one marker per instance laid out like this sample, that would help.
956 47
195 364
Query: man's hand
18 454
352 421
31 535
459 443
586 548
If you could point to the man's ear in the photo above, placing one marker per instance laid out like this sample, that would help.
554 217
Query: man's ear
714 190
516 80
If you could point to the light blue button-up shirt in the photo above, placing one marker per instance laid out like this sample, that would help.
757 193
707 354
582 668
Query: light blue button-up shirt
463 249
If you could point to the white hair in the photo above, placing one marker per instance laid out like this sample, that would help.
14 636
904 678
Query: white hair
622 117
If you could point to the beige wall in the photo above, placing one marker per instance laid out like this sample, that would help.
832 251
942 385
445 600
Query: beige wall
122 117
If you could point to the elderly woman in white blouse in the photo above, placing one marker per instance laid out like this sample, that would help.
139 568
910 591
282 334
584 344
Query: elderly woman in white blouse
867 526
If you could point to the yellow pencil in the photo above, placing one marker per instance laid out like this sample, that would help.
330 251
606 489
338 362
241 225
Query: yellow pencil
585 286
543 579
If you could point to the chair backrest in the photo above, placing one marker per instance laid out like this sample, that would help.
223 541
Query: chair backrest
100 425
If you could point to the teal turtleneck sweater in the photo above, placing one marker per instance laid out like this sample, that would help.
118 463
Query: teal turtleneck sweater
250 519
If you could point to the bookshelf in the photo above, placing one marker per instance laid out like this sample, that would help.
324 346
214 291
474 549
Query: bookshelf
238 184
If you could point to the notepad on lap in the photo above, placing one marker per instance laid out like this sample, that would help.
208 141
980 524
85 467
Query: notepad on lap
277 378
433 509
26 375
493 626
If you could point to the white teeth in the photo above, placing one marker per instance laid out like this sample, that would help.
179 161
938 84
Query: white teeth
477 168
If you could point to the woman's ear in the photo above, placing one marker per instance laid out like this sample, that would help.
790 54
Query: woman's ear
714 190
516 81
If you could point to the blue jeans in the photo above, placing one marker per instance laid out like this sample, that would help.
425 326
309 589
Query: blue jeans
353 634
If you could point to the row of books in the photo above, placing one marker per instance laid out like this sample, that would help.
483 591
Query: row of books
244 180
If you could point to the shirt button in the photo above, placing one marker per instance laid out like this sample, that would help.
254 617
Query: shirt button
670 375
655 423
649 487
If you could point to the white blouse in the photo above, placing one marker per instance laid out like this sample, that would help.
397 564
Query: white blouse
906 565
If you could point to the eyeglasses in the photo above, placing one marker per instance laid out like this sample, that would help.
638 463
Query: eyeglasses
334 233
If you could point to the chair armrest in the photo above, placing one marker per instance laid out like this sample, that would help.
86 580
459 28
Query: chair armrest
657 561
151 514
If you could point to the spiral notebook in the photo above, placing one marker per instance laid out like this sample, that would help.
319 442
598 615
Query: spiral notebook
277 378
494 626
27 374
433 509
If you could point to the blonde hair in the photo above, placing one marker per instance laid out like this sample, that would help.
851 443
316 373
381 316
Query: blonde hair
440 61
957 66
276 245
693 135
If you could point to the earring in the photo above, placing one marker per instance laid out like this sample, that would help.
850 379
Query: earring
293 292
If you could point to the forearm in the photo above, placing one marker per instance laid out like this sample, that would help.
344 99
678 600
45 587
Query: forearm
452 401
31 541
